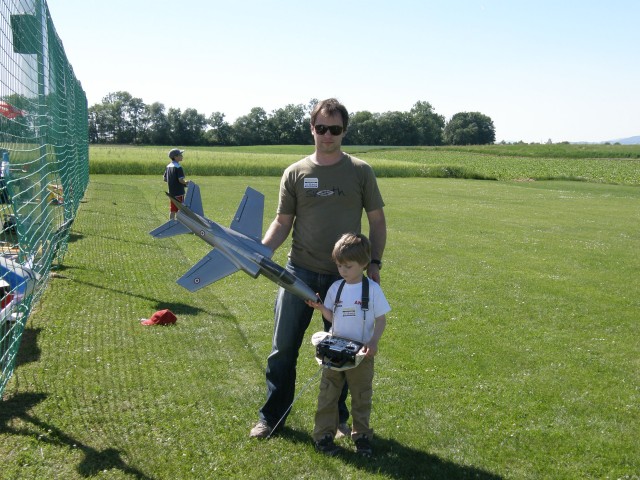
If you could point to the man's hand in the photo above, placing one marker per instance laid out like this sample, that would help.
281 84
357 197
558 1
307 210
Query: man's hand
373 272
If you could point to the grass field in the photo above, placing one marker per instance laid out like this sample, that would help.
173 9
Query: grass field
511 350
615 164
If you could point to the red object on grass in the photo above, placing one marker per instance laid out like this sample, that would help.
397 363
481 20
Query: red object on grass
161 317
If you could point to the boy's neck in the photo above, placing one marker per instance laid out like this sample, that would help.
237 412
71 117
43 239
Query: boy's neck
356 282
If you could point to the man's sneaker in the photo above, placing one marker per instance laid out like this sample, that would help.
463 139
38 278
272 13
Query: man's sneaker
261 430
327 446
363 446
343 430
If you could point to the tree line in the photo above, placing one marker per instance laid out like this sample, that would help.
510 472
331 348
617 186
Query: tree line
123 119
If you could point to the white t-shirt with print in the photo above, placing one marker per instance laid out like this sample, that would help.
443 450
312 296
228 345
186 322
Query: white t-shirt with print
348 316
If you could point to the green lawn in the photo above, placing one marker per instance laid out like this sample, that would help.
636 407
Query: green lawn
511 350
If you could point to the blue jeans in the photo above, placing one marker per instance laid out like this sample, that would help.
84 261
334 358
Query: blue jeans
292 317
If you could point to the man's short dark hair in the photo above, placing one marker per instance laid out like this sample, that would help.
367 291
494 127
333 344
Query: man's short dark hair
330 107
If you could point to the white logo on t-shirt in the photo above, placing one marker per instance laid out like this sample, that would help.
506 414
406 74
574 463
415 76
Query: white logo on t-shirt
311 183
348 312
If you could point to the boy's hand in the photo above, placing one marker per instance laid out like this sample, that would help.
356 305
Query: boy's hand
371 349
317 304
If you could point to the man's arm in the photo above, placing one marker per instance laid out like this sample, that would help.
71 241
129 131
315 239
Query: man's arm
278 231
378 239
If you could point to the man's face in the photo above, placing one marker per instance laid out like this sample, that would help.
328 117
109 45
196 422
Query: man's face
327 143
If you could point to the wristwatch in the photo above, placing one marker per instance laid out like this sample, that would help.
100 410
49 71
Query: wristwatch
377 262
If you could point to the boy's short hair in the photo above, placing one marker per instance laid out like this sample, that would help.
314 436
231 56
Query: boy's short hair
352 247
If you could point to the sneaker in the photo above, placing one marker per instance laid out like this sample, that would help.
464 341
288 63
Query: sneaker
343 431
327 446
261 430
363 446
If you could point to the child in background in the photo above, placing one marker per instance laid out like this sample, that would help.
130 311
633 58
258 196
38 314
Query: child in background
174 176
352 254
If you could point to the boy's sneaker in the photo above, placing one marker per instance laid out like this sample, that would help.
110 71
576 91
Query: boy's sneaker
343 431
327 446
261 430
363 446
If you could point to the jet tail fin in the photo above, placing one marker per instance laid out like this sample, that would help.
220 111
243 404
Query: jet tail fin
193 201
248 217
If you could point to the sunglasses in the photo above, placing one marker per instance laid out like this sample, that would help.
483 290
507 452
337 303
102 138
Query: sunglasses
333 129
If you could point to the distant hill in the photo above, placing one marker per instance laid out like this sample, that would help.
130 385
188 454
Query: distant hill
626 141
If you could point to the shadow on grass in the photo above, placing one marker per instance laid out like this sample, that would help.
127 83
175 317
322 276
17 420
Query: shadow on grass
29 350
95 461
182 309
177 308
74 237
398 461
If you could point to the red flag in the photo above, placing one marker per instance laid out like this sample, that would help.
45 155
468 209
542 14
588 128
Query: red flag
9 111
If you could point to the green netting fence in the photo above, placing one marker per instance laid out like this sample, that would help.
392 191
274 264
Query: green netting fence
45 163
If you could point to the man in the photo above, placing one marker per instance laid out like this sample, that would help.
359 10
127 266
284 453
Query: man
321 197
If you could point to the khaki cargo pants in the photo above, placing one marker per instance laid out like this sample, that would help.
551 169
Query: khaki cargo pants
360 381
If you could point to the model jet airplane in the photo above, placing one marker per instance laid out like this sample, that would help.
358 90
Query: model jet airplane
235 248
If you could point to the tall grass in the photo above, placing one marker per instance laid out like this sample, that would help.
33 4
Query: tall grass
556 150
511 350
498 162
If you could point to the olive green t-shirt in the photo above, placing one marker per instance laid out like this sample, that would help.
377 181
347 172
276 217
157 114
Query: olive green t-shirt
327 201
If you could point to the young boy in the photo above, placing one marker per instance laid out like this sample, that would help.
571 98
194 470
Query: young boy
174 176
352 254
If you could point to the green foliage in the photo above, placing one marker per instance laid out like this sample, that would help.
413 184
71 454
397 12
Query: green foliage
122 119
430 126
420 126
469 128
510 352
289 125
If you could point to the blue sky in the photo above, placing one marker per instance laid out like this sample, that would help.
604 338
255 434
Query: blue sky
560 70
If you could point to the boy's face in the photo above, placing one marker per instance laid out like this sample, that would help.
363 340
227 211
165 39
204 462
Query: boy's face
178 158
351 271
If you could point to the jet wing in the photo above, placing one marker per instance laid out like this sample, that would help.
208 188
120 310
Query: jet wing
211 268
169 229
248 217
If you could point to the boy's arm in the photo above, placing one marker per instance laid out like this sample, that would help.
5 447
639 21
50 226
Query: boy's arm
326 313
371 348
